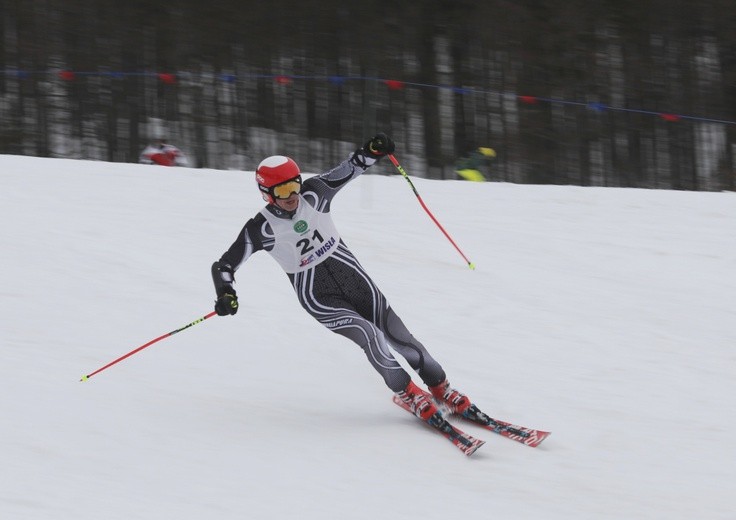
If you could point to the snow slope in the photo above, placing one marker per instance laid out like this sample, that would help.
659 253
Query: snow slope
604 315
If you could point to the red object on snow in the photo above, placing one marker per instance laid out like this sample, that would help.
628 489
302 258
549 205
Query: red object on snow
164 159
163 154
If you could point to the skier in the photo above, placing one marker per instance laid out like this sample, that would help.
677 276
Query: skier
468 167
296 228
162 153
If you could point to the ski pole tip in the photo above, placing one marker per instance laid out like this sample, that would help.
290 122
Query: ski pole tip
471 265
84 378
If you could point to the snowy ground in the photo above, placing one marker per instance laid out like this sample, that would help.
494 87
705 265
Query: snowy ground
607 316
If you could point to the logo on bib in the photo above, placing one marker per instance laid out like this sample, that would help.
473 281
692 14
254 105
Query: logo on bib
301 226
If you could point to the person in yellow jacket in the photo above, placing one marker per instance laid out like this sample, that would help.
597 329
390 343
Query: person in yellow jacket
468 168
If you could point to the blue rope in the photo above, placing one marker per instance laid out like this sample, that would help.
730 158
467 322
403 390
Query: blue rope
390 83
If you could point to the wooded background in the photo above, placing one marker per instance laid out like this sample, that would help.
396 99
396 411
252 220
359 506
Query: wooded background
638 93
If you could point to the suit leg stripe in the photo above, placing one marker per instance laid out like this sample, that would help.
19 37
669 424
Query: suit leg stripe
375 348
379 305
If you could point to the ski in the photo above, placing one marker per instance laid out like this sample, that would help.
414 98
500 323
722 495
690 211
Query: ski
460 439
522 434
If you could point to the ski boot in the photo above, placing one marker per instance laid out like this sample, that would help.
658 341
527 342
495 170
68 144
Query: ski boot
454 401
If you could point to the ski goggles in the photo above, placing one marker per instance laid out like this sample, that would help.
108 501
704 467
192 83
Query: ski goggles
285 189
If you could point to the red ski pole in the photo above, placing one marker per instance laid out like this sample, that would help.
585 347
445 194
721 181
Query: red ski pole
84 378
406 176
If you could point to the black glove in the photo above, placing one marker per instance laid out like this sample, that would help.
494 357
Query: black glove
226 304
378 146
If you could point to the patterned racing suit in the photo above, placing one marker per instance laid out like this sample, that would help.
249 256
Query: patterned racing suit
329 282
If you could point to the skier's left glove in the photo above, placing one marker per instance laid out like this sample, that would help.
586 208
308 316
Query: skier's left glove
378 146
227 304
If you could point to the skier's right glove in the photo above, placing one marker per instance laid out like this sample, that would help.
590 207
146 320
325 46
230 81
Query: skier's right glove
226 304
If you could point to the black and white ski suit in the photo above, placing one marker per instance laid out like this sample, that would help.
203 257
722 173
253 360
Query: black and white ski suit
328 280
